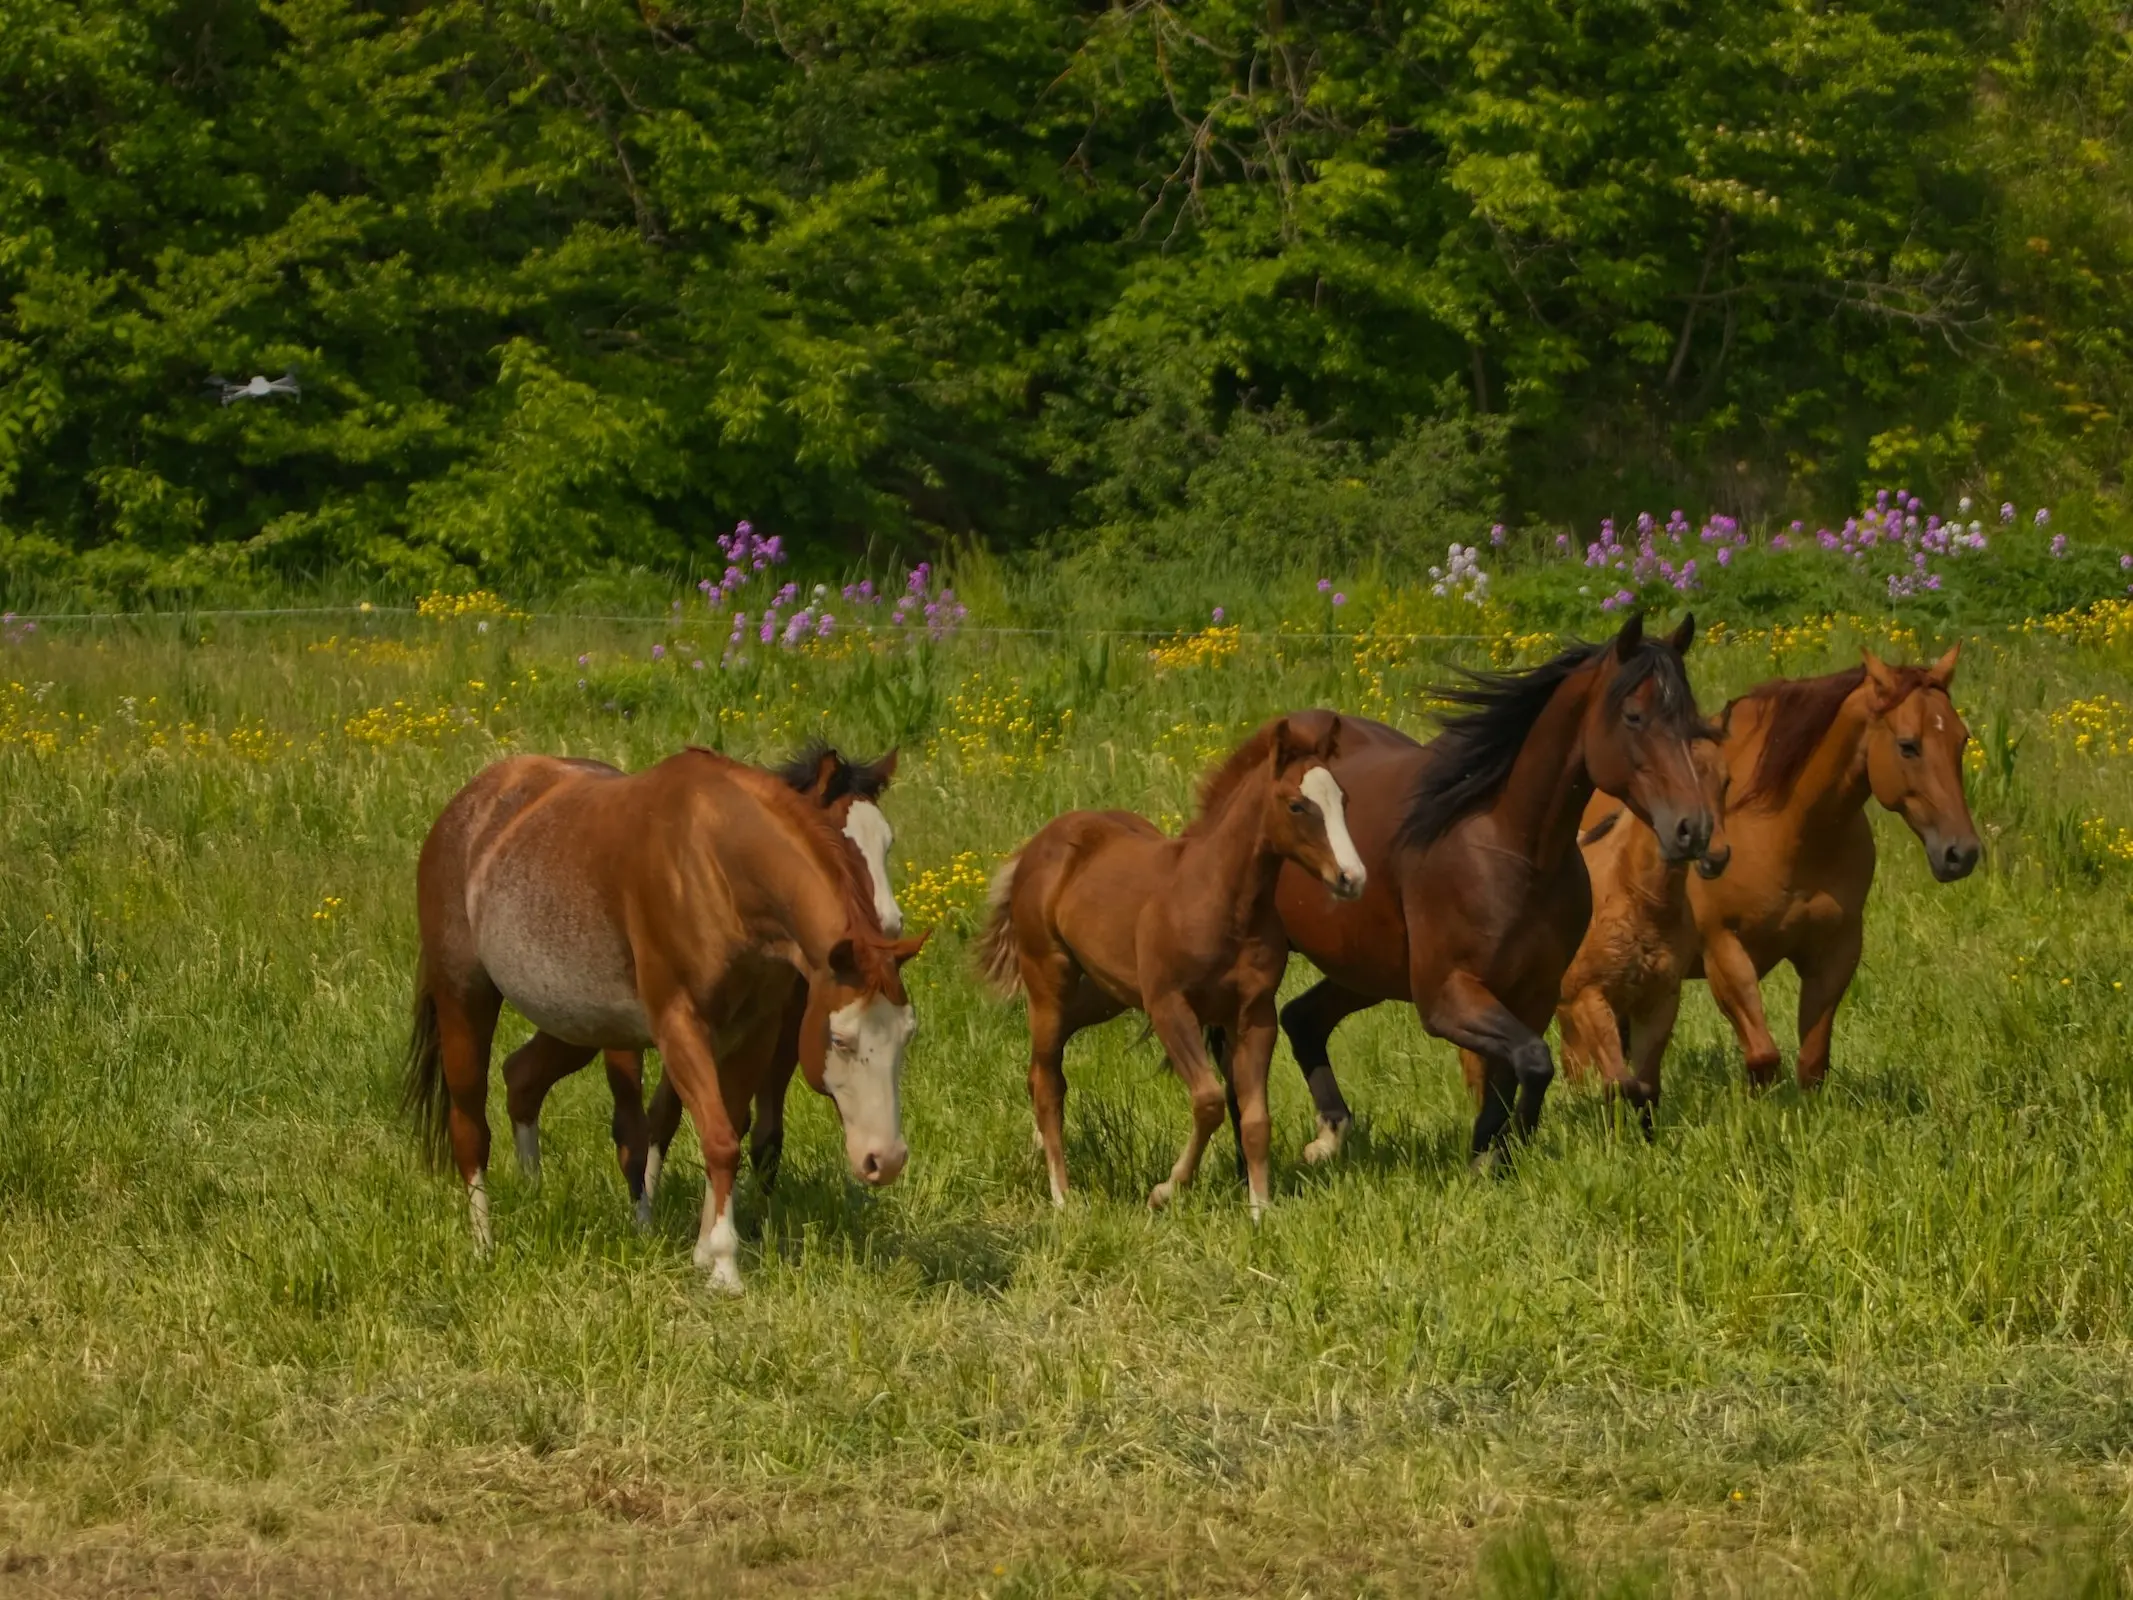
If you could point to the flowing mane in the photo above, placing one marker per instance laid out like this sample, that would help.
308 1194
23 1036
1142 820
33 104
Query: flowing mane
1471 760
863 780
1801 711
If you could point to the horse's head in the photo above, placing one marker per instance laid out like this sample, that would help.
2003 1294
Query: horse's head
1914 759
1306 815
850 791
852 1040
1640 728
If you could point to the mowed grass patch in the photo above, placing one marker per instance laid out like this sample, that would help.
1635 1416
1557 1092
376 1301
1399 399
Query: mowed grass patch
1873 1341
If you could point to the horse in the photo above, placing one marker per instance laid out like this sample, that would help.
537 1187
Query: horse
1623 988
674 907
1100 913
849 792
1478 896
1803 757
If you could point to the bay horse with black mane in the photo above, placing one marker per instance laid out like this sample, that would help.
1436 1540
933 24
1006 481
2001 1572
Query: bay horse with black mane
1477 894
1100 913
673 907
1803 757
849 794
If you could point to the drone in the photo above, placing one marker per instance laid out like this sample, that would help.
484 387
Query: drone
258 388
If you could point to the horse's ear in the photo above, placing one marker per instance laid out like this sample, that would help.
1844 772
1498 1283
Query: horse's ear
1329 740
1942 672
826 765
1878 673
1683 635
1631 636
1280 746
905 949
885 768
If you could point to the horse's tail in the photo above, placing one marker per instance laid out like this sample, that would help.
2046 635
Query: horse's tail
996 947
423 1094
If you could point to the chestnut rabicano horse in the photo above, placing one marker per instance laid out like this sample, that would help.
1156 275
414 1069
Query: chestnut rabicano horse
1477 895
849 794
672 907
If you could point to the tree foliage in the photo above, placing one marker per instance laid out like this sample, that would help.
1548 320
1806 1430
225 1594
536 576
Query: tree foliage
571 281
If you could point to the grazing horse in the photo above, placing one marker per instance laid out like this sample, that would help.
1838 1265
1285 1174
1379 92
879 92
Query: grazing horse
1100 913
849 793
1477 895
673 907
1803 757
1624 984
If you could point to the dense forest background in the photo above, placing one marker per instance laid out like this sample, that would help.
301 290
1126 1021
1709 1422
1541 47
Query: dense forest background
577 283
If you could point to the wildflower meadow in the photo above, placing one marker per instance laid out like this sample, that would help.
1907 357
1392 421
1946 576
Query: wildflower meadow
1877 1341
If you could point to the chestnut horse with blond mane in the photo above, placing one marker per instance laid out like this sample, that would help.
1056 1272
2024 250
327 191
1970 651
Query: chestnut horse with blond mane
1803 758
1100 913
674 907
1477 895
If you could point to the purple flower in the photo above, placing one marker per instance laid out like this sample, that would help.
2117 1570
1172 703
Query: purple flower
1562 541
584 661
703 586
659 652
1340 599
1725 556
744 528
2007 511
1496 534
2044 517
1325 585
2059 544
2125 563
698 664
1218 613
823 627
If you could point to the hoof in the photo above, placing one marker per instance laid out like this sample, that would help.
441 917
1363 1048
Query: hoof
725 1280
1159 1196
1494 1162
641 1213
526 1140
1328 1143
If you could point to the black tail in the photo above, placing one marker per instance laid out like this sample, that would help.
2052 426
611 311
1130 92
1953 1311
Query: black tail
423 1095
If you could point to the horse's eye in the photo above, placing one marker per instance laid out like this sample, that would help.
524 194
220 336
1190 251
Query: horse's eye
1296 808
1633 717
839 1041
1908 749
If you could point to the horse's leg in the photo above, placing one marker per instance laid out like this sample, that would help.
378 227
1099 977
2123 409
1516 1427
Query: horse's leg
466 1027
1731 974
1514 1059
766 1147
662 1122
1825 974
1172 1017
1250 1055
1048 1035
1650 1029
530 1071
627 1127
1592 1037
685 1048
1309 1021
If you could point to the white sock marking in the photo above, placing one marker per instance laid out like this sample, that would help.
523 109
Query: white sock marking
718 1244
478 1214
526 1137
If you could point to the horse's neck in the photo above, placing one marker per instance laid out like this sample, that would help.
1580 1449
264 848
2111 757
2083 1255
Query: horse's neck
802 909
1231 850
1833 784
1544 798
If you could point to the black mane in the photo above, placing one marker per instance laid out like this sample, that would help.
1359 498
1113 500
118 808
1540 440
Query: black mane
1471 760
862 779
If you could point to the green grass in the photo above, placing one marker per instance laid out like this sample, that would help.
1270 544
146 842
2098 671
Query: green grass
1876 1343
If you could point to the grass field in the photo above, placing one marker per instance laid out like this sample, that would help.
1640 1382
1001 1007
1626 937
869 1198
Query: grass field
1876 1343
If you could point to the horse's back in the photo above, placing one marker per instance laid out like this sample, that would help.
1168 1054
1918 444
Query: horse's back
1081 882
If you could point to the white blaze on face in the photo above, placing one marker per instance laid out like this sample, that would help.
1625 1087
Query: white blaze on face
1320 789
863 1071
867 828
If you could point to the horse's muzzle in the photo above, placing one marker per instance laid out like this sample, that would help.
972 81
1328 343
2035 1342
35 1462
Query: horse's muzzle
1348 885
1713 862
879 1168
1685 838
1952 859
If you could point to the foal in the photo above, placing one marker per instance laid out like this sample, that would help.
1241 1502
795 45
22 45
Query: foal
674 907
1099 914
1623 988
